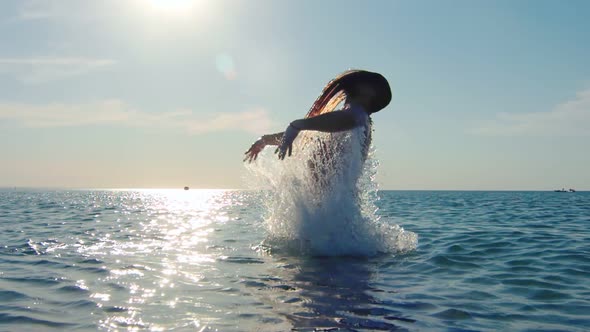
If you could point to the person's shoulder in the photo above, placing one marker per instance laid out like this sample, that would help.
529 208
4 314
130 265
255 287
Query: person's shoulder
355 108
359 114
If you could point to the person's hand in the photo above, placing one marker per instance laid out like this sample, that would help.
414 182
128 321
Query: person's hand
287 141
254 150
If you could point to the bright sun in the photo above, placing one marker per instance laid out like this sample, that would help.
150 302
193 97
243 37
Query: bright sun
172 6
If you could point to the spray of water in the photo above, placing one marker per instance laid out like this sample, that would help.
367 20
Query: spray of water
321 201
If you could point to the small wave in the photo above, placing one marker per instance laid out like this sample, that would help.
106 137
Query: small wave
12 295
12 319
254 284
351 322
416 306
91 261
33 280
531 283
95 270
371 311
242 260
72 289
549 295
115 309
402 319
447 262
78 304
453 314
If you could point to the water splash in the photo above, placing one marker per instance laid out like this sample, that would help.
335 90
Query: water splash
325 206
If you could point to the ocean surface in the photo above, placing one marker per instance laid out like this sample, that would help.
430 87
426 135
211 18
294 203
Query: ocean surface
206 260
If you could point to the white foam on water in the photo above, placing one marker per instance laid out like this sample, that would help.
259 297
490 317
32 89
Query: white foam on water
330 211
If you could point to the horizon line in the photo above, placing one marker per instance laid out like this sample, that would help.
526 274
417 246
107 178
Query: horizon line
247 189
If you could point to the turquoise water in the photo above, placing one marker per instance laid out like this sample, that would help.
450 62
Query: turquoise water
193 260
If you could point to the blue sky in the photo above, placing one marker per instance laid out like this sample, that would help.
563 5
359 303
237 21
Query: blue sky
486 95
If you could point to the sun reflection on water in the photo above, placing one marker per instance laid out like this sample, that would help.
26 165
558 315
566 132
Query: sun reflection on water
155 241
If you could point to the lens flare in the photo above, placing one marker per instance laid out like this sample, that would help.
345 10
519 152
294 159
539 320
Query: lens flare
225 65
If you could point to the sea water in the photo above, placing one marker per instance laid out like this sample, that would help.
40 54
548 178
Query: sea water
157 260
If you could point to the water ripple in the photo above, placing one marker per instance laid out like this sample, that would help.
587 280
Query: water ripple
175 260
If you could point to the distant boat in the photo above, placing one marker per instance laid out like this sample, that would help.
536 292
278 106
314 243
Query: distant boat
562 190
185 188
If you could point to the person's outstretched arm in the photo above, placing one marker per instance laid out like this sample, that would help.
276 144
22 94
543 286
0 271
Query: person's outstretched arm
254 150
329 122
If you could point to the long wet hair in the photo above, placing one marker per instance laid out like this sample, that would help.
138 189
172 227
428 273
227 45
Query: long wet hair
337 90
346 84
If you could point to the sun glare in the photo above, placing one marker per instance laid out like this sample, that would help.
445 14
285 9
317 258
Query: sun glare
172 6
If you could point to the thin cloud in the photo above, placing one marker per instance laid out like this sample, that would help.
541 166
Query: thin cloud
118 113
571 118
46 61
39 9
38 70
70 10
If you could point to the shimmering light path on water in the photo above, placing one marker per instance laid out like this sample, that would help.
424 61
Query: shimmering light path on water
186 260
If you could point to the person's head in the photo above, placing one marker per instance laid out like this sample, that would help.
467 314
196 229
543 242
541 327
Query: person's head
363 94
367 88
